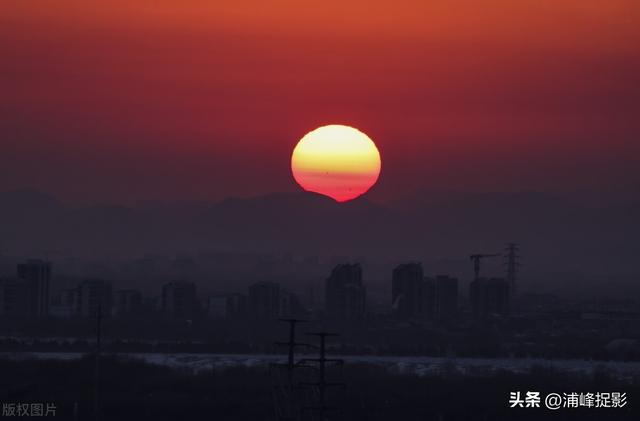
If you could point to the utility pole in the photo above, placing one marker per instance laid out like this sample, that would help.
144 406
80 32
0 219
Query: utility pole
285 401
291 346
321 408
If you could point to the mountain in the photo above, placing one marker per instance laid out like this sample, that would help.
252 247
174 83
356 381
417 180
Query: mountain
18 202
556 233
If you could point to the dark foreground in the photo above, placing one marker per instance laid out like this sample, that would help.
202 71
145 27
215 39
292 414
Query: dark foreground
132 390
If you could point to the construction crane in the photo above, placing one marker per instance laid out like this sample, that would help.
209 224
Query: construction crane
476 262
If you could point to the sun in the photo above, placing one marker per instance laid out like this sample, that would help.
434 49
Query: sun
335 160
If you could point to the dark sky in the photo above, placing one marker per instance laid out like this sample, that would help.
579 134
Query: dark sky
132 100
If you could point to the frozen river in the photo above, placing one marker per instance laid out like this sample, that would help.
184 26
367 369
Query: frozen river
416 365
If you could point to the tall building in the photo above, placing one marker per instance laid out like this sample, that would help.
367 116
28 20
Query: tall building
37 274
236 307
69 297
63 304
345 295
416 297
446 297
512 263
217 306
268 300
489 297
408 292
179 300
128 302
94 294
290 305
13 297
264 300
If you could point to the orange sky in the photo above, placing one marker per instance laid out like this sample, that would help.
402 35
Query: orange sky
128 100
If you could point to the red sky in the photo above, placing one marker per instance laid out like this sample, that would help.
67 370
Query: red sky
131 100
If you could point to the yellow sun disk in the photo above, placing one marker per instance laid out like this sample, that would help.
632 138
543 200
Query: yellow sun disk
338 161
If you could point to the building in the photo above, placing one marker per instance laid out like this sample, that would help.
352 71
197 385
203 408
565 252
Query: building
13 298
236 307
290 305
179 300
446 297
128 302
37 274
264 300
268 300
64 303
94 295
217 306
416 297
489 297
345 295
409 292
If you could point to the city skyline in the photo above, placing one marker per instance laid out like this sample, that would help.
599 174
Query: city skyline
330 210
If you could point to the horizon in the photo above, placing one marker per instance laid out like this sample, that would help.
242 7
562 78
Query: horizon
222 209
594 236
595 197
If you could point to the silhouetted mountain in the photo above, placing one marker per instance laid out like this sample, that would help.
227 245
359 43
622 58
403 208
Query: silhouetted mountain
557 234
17 202
293 222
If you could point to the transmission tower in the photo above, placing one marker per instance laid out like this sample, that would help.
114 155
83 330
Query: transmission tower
319 409
285 400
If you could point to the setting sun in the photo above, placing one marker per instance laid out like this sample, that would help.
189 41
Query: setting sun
338 161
